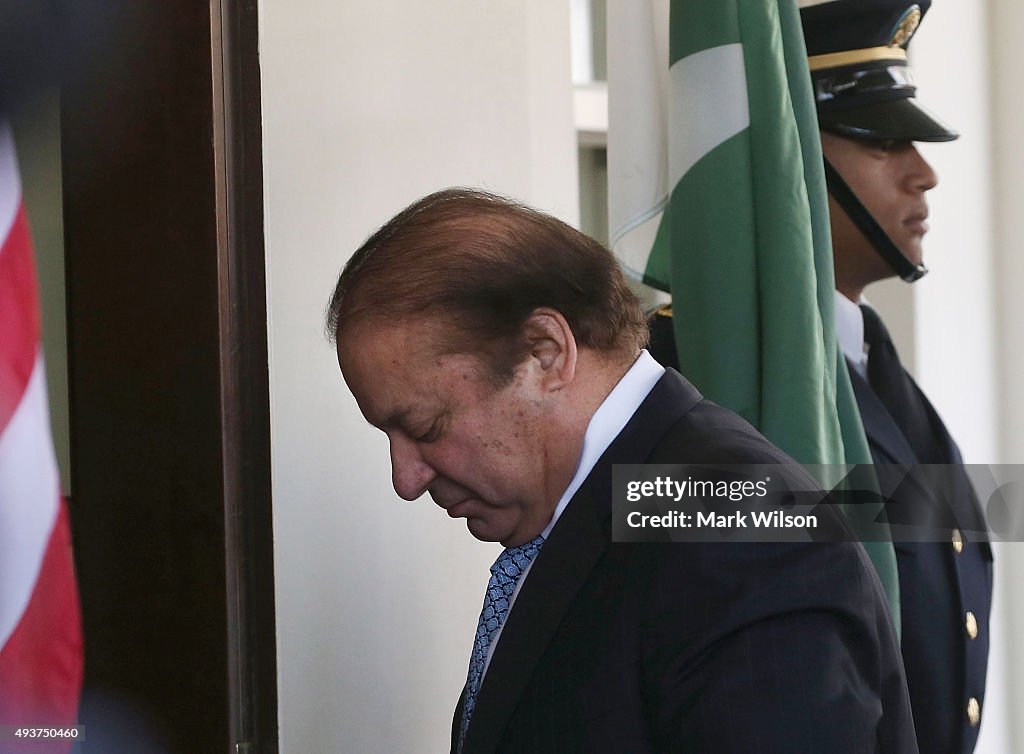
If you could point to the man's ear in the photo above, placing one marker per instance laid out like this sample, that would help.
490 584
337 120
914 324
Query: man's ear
552 347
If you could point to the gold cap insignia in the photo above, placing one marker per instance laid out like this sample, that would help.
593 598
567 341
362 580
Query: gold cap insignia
905 27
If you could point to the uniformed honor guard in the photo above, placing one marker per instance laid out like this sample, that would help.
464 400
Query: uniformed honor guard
869 119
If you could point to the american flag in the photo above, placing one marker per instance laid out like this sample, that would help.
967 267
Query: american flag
40 623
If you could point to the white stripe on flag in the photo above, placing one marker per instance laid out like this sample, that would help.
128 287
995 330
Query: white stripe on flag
10 183
708 105
29 499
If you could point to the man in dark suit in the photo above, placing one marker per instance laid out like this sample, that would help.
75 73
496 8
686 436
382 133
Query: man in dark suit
869 119
501 352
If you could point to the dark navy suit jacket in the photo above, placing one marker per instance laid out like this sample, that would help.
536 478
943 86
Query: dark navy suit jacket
938 585
723 648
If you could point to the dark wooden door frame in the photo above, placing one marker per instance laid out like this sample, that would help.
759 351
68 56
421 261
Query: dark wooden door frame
168 374
238 145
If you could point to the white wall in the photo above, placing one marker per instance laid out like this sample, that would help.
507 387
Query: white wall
1006 29
1007 32
368 106
954 306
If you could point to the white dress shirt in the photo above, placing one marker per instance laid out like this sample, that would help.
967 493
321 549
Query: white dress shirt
850 332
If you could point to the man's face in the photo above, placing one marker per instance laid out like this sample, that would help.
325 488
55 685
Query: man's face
890 179
477 450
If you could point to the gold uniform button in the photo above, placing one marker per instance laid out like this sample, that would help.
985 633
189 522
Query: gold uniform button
971 624
973 712
958 541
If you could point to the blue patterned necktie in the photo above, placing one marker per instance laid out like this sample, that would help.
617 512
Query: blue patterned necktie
505 574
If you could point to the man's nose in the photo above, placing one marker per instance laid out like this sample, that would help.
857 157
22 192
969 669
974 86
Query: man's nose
410 474
923 175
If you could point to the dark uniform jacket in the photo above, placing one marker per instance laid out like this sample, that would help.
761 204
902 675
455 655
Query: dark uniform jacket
661 647
945 588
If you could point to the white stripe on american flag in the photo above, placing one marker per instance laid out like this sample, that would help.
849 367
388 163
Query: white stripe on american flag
29 498
10 182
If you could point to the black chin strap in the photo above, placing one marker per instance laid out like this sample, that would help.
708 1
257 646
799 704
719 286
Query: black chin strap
870 227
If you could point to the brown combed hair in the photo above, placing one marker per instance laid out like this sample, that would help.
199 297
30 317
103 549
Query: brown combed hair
485 263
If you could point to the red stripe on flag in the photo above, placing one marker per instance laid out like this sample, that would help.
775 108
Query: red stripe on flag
41 664
19 316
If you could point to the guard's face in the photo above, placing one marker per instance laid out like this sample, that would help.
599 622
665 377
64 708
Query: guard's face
473 448
890 179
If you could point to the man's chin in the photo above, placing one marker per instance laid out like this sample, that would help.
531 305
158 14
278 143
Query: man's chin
483 529
915 256
507 536
488 530
912 248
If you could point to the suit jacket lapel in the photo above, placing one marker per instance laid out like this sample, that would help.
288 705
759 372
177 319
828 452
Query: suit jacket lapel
879 425
575 545
885 436
889 446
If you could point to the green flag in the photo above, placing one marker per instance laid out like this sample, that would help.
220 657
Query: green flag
733 221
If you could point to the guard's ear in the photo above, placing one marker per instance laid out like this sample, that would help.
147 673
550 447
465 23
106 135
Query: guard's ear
552 347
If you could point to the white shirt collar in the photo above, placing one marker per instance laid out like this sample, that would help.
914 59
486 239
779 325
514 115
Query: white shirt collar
850 332
607 422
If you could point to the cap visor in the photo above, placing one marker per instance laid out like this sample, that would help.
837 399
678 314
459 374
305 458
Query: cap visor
901 119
